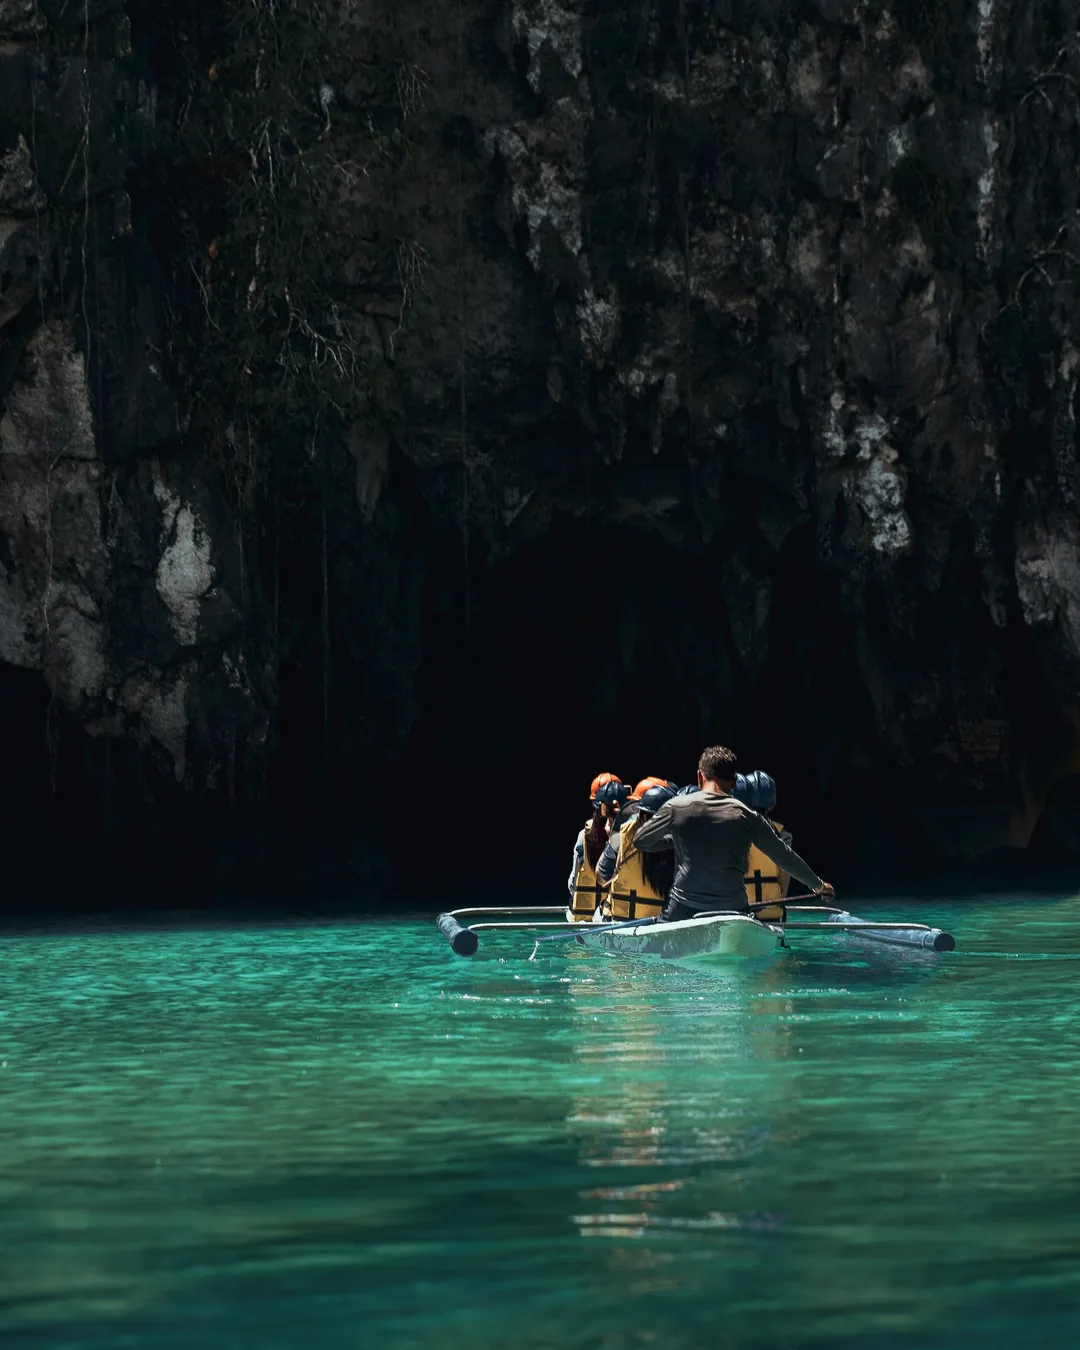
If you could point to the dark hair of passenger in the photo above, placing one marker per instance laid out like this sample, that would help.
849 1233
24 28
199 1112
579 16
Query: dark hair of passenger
596 838
718 764
658 867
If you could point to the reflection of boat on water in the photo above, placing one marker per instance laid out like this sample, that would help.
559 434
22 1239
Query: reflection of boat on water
688 1094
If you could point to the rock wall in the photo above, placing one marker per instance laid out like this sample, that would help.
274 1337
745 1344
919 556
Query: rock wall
783 266
121 572
788 288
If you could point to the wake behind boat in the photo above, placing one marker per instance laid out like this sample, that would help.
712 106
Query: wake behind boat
708 936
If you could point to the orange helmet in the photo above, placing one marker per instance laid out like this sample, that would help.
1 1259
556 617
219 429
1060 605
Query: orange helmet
645 785
599 781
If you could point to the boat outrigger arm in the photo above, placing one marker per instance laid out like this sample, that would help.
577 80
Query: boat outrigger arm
707 932
464 939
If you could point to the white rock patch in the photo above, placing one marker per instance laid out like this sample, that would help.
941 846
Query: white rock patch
898 144
598 325
1048 582
876 484
555 203
880 493
987 185
984 33
184 573
870 432
540 22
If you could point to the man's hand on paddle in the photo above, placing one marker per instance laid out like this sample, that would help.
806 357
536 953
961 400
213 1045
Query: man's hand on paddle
826 891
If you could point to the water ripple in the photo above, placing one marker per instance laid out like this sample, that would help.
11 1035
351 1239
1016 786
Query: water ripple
340 1135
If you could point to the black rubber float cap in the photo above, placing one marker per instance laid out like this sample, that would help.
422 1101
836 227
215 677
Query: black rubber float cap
944 942
463 940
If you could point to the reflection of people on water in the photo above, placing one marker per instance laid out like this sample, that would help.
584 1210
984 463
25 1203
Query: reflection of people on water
711 832
658 1132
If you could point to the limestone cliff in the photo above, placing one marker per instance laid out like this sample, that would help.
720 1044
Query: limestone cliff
121 573
788 288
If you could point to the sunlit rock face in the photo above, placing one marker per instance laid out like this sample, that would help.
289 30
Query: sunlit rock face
786 288
119 571
108 580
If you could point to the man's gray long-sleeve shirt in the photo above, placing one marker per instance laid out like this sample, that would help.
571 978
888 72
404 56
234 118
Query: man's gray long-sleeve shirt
712 834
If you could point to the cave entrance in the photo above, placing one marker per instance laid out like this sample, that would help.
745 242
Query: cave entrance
587 651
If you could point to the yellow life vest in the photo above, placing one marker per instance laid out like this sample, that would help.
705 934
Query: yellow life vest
631 896
586 889
764 881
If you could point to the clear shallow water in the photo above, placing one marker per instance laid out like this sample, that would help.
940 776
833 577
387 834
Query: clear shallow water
343 1136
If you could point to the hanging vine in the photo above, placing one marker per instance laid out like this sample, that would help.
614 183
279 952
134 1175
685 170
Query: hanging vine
300 269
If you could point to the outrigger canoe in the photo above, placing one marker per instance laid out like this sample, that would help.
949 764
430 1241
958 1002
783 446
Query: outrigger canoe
706 937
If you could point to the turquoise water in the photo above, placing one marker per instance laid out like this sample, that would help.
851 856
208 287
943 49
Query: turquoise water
340 1135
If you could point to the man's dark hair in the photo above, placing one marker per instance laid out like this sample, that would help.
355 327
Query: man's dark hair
718 763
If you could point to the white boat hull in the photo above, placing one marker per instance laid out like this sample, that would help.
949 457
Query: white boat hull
704 939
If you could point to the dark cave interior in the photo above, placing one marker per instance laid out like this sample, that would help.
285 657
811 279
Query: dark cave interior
592 649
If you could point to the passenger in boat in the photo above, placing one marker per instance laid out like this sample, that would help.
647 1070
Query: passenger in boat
711 832
765 880
591 842
605 869
619 806
647 783
640 885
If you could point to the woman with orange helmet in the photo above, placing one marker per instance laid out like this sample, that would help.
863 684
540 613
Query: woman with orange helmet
606 792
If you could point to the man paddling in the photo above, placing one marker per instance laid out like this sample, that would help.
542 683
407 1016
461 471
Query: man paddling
711 832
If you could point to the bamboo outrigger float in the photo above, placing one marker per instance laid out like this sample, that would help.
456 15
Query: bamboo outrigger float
707 936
